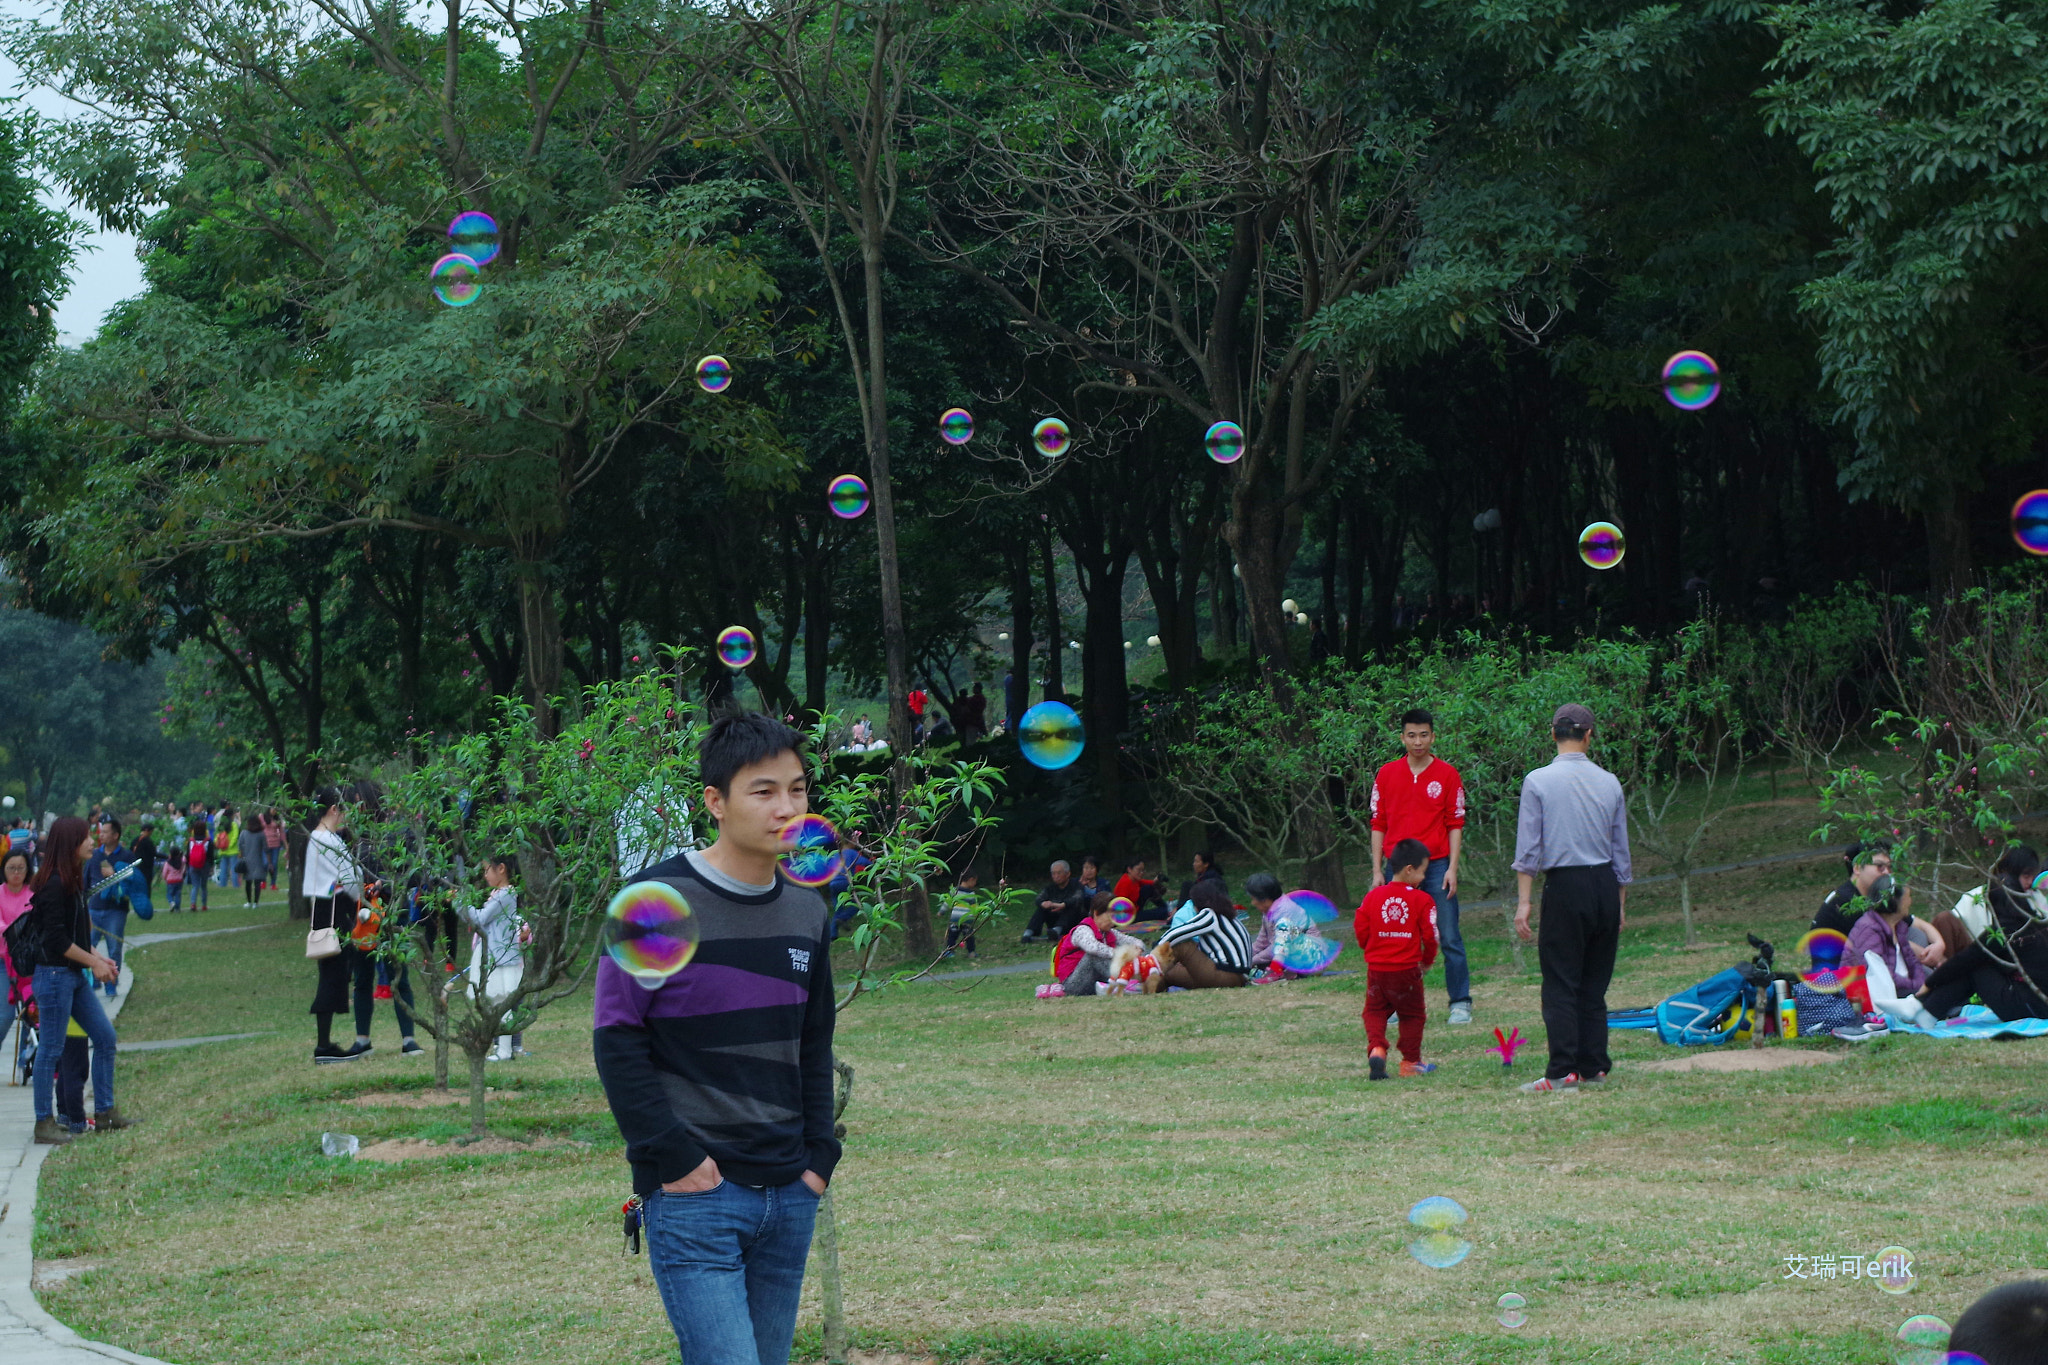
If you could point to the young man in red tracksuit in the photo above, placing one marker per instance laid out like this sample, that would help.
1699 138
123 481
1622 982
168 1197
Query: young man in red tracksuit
1396 928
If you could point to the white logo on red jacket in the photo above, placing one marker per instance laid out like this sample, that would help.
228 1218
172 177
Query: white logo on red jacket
1436 790
1394 911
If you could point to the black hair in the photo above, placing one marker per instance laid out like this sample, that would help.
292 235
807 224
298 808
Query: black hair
965 873
1212 896
110 820
1885 894
2008 1326
1408 853
1134 860
740 741
2017 865
1864 852
1564 729
1087 858
508 861
324 800
13 852
1262 886
1417 716
1208 858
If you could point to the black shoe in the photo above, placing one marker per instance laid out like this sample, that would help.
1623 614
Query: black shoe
358 1050
1027 940
411 1048
328 1052
1377 1068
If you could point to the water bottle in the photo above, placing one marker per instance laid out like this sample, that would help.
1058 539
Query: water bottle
338 1144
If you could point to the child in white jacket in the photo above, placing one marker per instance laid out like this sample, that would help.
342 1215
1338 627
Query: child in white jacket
494 958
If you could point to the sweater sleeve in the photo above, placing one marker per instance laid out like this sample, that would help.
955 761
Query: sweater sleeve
815 1063
624 1051
1429 939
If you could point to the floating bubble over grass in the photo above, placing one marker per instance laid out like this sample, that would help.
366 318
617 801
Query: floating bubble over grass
1601 545
2030 522
956 426
1050 436
1921 1340
1122 912
1050 735
456 280
1439 1247
1691 380
848 496
736 646
1225 442
474 234
812 857
1508 1310
1824 947
1303 908
650 931
1893 1270
714 374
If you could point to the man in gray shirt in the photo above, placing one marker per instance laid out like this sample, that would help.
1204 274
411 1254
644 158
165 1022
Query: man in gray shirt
1573 829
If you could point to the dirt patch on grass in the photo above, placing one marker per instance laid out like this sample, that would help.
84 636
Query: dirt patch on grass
417 1149
421 1099
1747 1059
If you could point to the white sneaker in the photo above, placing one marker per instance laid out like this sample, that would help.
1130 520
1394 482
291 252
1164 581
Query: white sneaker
1461 1013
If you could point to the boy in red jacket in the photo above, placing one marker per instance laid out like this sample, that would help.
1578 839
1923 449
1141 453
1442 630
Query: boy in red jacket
1396 928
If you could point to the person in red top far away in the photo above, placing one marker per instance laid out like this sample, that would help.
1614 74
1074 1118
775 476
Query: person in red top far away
1419 796
1396 928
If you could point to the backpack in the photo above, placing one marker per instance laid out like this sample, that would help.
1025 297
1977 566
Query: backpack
1710 1012
195 856
24 945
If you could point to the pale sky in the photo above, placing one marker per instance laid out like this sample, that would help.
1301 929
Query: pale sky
105 271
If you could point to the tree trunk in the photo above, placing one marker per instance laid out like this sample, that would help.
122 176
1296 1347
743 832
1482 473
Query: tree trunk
477 1126
540 624
1018 695
298 907
817 633
916 909
831 1298
1948 538
1253 536
1685 904
435 987
1055 657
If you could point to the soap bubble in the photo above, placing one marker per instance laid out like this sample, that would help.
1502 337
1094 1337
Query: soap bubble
454 277
714 374
1691 380
1122 912
1303 908
1050 735
1824 947
1439 1247
1893 1270
2030 522
475 235
1050 436
813 856
1224 442
736 646
848 496
1602 545
1921 1340
1508 1310
956 426
650 932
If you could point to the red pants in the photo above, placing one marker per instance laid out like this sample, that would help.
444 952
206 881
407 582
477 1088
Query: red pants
1395 990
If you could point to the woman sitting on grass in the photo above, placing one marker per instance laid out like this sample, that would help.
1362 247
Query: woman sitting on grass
1085 956
1881 932
1210 948
1984 968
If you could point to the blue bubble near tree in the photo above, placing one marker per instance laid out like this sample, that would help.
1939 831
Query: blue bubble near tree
1050 735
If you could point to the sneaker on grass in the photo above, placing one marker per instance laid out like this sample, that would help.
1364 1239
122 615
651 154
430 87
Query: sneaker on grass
328 1052
1461 1012
1376 1065
1418 1068
1544 1085
410 1048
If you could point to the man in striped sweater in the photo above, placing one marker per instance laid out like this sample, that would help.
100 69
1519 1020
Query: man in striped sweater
721 1078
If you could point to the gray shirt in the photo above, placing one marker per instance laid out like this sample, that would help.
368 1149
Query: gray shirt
1573 815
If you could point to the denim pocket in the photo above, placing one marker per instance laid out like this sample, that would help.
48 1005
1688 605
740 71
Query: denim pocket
693 1194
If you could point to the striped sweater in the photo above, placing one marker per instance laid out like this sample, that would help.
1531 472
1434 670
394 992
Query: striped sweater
1223 939
731 1058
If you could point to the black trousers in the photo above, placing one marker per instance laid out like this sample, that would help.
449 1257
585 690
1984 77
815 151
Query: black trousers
1575 946
1972 972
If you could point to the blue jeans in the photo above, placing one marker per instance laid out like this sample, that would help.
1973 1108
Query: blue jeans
110 927
1450 942
729 1263
172 890
66 993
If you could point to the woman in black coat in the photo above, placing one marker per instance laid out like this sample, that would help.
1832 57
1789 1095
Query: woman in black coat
2012 977
62 945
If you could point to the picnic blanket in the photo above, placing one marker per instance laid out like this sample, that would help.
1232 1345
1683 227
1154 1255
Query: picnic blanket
1977 1022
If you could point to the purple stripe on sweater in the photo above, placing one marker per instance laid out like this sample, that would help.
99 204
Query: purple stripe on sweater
700 988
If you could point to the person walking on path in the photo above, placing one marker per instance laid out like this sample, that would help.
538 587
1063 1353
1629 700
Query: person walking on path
249 854
62 937
273 840
198 861
1419 796
720 1078
1572 829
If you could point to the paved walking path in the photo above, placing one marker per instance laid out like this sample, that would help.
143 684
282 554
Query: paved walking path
28 1335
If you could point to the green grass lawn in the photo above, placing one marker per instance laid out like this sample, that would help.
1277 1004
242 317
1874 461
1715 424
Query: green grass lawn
1188 1178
